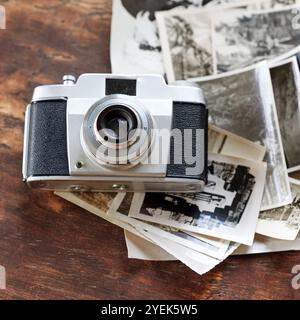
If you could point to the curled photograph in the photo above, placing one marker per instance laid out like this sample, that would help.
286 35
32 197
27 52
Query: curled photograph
225 209
243 102
135 43
283 222
231 35
286 85
123 204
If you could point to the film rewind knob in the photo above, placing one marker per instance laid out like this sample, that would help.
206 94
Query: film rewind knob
69 80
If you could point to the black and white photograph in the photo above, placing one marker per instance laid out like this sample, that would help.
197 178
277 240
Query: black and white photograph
286 85
243 102
135 43
213 247
221 141
242 38
187 44
213 39
186 41
225 209
197 261
285 221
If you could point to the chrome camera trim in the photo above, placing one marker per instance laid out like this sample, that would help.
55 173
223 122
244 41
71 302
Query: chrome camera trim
91 141
113 184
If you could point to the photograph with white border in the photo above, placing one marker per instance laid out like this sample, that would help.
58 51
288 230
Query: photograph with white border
243 102
186 43
134 42
242 38
213 247
228 207
198 262
282 223
205 41
186 40
285 77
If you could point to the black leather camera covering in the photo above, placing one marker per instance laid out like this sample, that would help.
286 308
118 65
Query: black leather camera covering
188 116
47 145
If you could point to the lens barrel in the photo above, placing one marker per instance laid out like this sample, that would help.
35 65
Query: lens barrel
117 130
116 123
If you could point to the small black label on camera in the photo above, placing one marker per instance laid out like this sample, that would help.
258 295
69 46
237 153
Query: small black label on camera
120 86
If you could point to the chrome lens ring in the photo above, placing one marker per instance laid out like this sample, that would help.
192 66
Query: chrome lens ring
97 146
117 124
104 130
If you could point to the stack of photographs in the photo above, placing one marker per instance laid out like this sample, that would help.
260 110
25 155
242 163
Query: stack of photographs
208 41
200 229
245 57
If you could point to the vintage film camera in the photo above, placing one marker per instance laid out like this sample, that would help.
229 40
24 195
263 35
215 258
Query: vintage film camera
104 132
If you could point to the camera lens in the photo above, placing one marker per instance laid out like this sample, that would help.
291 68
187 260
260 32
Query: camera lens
116 123
117 131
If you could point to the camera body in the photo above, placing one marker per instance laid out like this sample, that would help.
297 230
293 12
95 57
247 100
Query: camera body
104 132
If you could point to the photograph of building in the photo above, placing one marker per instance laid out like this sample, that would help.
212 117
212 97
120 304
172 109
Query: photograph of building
222 203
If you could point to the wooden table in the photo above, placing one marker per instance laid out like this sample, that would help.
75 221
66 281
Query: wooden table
52 249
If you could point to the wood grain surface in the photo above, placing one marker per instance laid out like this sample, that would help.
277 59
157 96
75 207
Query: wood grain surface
54 250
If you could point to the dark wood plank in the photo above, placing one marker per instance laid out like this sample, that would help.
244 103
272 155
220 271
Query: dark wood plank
54 250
